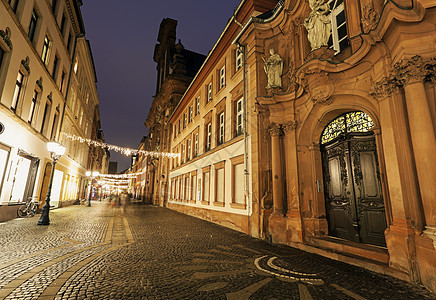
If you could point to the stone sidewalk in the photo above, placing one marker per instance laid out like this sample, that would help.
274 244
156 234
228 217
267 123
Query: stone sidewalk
146 252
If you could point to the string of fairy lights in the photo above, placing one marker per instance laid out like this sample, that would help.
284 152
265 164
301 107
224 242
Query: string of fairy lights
122 150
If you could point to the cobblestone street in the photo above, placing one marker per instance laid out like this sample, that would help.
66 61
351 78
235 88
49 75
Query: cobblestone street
146 252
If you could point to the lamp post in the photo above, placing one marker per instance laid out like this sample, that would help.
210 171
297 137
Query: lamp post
92 175
56 151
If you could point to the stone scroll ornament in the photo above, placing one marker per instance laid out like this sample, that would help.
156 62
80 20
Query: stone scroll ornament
273 68
318 24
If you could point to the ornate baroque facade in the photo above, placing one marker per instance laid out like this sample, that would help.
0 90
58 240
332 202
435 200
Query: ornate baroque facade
338 155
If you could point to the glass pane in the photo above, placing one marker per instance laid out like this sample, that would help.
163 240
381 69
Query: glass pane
342 32
340 18
359 122
3 162
333 130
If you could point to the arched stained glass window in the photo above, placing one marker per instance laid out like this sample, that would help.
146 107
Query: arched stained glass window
356 121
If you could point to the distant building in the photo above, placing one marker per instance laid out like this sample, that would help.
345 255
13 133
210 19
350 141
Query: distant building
176 67
113 167
315 134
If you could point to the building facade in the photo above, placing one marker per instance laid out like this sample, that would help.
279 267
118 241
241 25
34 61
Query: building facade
338 120
176 66
38 44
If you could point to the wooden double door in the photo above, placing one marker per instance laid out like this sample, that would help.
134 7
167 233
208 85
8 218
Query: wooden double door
353 193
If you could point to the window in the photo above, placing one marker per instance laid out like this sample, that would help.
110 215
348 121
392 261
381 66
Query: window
32 106
14 5
238 179
180 125
238 59
208 136
175 130
209 92
191 113
69 41
187 192
63 80
197 111
356 121
54 126
76 65
32 25
196 145
221 128
194 186
206 184
219 182
45 117
188 153
183 153
55 67
222 77
17 91
338 39
239 117
53 6
63 22
185 120
46 50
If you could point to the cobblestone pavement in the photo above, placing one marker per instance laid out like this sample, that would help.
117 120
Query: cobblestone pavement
146 252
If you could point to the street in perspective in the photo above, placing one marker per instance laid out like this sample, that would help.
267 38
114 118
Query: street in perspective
146 252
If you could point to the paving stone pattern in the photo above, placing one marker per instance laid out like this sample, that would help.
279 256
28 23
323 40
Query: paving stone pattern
146 252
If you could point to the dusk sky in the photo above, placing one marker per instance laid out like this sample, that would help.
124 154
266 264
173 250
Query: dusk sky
122 36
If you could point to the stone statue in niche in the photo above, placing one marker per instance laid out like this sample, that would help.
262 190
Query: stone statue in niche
273 69
318 24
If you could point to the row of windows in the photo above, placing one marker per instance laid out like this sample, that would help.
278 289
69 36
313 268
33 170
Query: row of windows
194 109
47 42
189 148
188 187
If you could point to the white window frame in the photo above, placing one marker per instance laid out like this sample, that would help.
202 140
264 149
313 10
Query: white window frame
223 77
221 128
198 106
239 116
335 38
45 55
17 91
195 144
191 113
238 59
209 92
188 153
209 136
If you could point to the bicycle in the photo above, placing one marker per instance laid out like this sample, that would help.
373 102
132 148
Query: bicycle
29 209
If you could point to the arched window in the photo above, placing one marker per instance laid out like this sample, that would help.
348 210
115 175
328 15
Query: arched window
339 38
352 122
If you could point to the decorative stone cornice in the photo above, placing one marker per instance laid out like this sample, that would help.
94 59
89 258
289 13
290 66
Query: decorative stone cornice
415 69
275 129
5 41
289 126
25 68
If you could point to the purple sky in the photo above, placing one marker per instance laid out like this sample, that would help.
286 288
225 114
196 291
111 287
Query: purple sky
122 36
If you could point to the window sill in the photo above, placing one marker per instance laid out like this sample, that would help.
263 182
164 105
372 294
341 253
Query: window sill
205 202
220 204
238 205
192 201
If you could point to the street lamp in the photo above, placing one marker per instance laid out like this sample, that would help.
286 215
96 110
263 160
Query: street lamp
92 175
56 151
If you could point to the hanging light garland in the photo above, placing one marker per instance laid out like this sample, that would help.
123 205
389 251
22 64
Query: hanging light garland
125 151
120 176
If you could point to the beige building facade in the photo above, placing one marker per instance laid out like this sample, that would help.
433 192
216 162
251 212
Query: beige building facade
38 43
339 133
